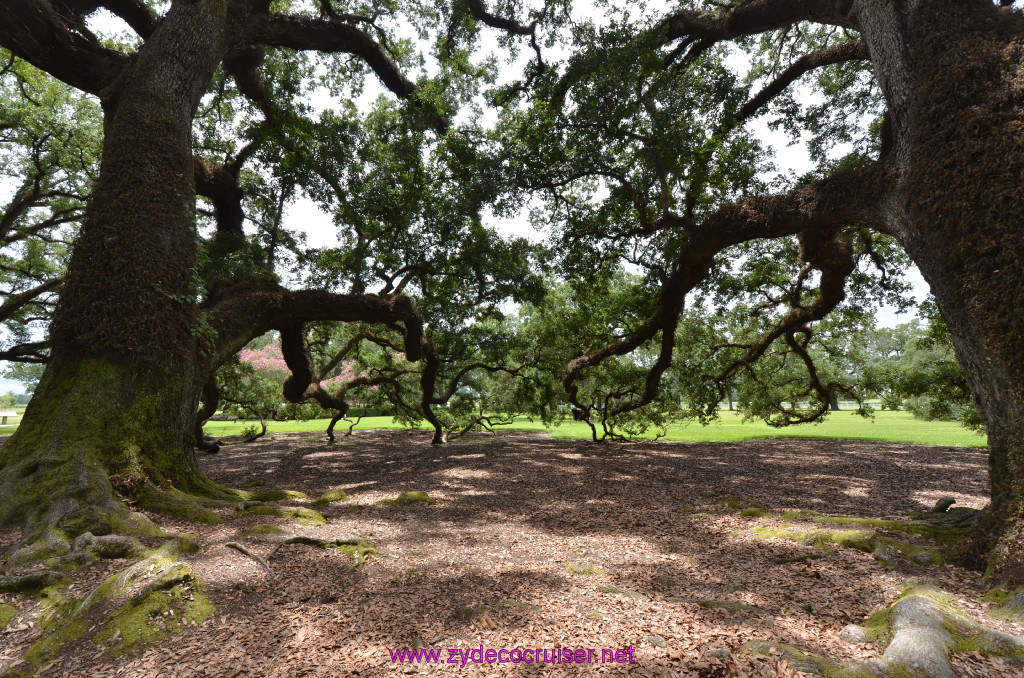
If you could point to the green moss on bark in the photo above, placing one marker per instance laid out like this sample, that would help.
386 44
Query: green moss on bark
304 515
7 613
99 429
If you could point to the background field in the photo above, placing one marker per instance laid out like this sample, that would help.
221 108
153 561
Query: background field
897 427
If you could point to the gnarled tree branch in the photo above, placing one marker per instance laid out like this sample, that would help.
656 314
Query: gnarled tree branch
817 211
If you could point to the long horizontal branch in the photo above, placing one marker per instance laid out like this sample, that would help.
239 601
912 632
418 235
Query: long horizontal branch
756 16
15 302
32 352
239 315
480 13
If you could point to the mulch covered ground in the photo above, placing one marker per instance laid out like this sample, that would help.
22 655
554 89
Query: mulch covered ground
538 543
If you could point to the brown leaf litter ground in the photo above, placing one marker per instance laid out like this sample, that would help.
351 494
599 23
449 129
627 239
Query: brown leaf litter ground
537 543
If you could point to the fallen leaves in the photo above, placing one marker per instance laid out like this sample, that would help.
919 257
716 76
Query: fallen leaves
527 532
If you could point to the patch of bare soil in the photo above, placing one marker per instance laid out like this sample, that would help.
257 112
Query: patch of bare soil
542 543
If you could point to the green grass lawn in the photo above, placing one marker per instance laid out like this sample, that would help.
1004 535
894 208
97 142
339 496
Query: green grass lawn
899 427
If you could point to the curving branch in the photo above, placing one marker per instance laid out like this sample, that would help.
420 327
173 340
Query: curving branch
32 352
817 211
136 13
237 315
35 32
829 56
15 302
480 13
832 255
428 381
211 399
220 185
304 33
753 17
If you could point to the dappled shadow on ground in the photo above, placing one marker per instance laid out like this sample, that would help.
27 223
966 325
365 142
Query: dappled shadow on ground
535 542
533 477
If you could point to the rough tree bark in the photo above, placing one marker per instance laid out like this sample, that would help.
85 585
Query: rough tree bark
961 110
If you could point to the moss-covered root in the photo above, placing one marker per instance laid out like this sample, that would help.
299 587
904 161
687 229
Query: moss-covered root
273 495
7 613
152 598
29 583
358 549
1009 603
885 550
330 497
407 498
926 629
50 544
812 663
89 549
921 631
305 516
175 504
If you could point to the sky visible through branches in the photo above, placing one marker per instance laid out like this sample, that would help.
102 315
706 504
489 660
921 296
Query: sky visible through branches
303 215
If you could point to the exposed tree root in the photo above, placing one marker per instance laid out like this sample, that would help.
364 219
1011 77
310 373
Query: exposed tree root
304 515
148 600
920 632
89 549
358 549
28 583
175 504
245 551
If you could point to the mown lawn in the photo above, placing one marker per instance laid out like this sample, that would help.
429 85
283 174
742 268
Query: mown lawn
897 427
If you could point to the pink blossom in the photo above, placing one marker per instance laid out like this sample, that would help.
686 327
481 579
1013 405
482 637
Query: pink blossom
267 361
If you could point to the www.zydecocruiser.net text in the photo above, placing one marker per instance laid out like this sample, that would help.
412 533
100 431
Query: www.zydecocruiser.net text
529 655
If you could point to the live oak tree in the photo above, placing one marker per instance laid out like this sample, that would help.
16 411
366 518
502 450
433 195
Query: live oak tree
152 303
129 346
640 148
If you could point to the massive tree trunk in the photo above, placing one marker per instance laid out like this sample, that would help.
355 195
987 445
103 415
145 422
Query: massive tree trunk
953 77
964 198
116 403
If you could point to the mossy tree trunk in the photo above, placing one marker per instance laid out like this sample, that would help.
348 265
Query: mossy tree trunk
116 403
